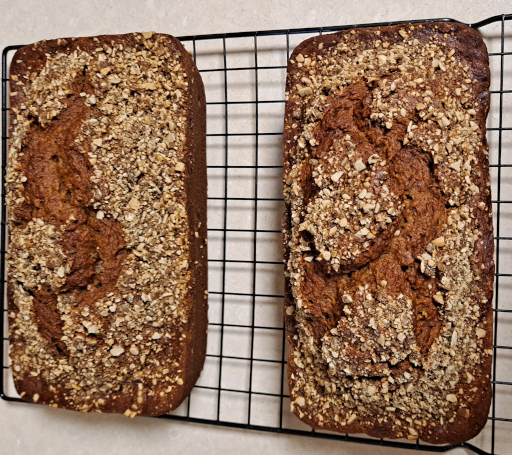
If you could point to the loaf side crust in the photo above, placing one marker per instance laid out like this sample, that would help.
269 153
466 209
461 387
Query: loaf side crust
106 195
389 285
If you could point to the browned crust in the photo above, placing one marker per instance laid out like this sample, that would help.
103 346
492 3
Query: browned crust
469 44
196 190
193 348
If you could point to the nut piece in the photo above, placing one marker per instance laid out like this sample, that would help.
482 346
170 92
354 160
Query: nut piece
114 79
439 298
134 204
452 398
335 177
439 241
305 91
362 233
147 35
456 166
351 419
180 167
374 158
480 333
359 165
300 58
92 329
300 401
116 351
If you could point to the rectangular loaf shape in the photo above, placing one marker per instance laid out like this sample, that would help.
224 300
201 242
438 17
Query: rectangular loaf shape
387 233
106 198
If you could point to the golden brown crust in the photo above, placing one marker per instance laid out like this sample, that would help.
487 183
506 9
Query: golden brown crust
115 238
345 126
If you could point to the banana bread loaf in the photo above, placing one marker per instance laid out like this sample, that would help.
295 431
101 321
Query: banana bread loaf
388 232
106 196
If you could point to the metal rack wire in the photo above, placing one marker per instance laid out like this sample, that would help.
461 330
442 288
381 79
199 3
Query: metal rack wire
235 390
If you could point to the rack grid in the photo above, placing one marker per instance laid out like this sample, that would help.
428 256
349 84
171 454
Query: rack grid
243 384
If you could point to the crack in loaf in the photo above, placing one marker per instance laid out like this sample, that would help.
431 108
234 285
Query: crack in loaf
388 232
58 191
107 265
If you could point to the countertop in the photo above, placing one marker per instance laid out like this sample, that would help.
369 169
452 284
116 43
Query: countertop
28 429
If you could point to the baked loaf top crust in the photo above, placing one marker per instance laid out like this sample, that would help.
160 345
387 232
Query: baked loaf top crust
106 194
388 232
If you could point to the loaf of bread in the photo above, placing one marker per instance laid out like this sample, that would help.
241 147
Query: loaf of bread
388 232
106 198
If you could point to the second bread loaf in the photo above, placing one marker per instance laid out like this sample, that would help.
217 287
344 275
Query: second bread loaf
388 232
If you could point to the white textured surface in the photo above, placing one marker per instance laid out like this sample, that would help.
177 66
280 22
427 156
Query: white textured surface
38 430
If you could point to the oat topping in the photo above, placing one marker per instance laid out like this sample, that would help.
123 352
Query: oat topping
383 177
131 103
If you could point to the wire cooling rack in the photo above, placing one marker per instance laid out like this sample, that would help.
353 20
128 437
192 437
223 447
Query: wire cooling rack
243 384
